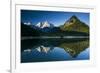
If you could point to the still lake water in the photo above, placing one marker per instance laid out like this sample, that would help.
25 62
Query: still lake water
43 50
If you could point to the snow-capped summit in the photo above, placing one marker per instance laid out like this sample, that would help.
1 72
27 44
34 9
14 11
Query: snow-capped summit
27 23
38 24
44 24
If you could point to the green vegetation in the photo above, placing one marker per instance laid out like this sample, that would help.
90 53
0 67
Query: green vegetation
74 24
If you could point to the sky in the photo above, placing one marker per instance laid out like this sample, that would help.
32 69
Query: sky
55 17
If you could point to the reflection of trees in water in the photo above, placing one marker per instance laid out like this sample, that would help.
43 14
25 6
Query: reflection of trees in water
71 46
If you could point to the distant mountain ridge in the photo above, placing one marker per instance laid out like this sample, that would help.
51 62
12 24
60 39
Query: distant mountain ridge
72 27
44 26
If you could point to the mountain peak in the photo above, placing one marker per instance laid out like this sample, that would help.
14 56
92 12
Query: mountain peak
38 24
73 19
75 24
44 24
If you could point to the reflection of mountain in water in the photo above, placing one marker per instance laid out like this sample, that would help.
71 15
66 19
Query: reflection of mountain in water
75 48
44 49
71 46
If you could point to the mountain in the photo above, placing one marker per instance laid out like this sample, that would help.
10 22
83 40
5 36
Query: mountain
45 24
72 27
26 30
74 24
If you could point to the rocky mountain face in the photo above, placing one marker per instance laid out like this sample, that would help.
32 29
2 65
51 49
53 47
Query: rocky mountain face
74 24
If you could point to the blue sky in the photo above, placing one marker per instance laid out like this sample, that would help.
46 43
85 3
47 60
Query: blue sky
55 17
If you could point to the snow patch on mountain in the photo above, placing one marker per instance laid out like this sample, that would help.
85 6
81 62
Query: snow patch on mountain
44 24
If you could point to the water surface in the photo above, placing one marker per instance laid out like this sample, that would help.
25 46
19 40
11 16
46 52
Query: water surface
43 50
